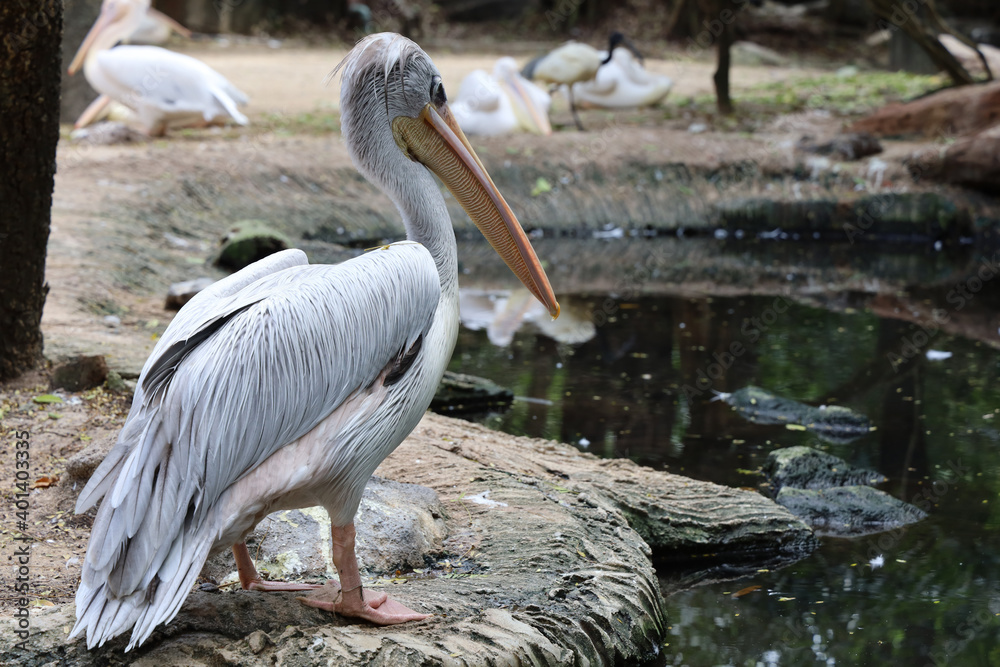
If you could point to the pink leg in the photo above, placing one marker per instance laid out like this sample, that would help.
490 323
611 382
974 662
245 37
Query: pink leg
92 112
251 581
350 598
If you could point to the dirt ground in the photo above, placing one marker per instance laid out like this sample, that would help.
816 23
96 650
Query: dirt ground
93 180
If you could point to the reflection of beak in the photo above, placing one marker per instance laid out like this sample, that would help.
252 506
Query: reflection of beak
103 21
521 98
436 141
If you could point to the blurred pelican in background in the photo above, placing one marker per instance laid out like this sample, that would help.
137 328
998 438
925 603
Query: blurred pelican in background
501 102
622 83
163 88
572 63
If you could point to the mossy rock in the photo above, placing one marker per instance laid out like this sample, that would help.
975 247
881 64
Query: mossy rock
459 393
249 241
808 468
849 511
832 423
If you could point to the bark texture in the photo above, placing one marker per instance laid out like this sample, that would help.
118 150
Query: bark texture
29 114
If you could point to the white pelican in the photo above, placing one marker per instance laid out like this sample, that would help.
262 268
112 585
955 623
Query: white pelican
285 385
571 63
503 102
622 83
162 87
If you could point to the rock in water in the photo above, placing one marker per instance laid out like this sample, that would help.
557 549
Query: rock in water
832 423
808 468
849 511
832 496
460 393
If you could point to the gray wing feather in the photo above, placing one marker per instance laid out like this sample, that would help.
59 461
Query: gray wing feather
254 364
206 306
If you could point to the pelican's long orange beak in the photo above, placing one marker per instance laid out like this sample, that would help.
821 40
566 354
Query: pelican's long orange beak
110 12
436 141
525 108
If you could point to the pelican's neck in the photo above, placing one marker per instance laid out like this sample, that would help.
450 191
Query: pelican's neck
425 216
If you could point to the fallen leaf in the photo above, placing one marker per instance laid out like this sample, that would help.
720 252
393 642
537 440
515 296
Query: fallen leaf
743 591
47 398
45 482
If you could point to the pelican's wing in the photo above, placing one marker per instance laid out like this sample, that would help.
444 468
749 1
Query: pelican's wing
171 82
249 365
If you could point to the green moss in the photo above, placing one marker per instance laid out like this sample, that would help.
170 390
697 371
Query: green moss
249 241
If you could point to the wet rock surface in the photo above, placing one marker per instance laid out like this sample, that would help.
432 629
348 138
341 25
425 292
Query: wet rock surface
537 564
832 423
808 468
834 497
460 393
849 510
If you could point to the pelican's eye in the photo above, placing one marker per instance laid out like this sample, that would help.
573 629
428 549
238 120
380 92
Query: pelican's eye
438 96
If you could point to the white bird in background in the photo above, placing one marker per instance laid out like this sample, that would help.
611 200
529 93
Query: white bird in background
503 102
163 88
622 83
286 384
571 63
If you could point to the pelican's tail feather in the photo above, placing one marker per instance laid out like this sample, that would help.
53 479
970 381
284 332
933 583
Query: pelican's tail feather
102 615
227 102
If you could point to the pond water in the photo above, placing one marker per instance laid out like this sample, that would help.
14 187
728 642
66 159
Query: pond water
633 375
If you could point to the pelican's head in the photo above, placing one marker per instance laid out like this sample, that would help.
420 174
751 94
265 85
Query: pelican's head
117 21
395 115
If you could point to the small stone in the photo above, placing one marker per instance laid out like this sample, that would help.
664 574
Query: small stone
181 293
80 373
258 641
112 321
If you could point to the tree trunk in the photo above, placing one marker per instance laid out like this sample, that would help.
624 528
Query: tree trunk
723 101
29 115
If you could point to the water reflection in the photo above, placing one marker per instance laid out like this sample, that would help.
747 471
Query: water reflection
503 313
640 386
